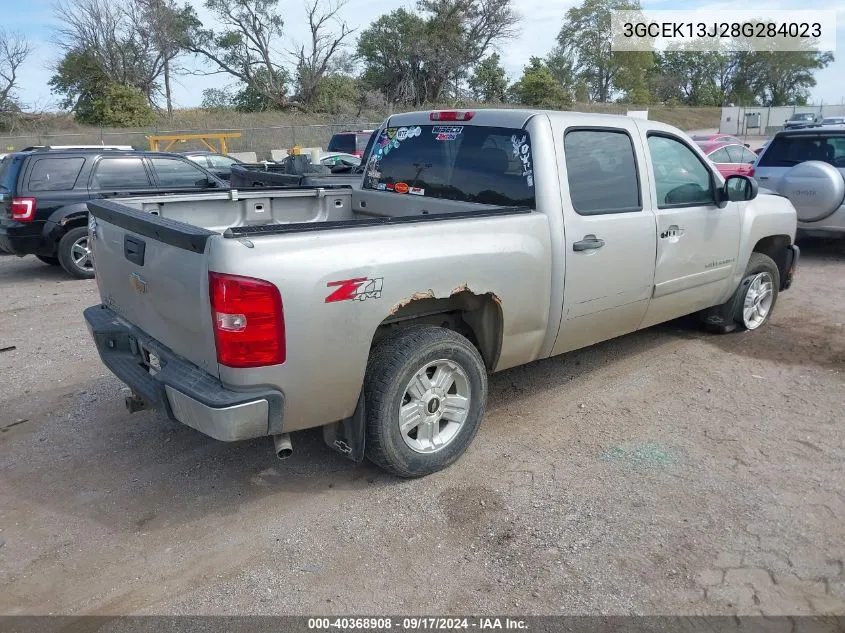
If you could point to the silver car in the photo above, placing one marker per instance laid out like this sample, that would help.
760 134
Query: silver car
808 167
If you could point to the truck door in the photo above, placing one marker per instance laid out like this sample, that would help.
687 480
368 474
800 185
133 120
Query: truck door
609 237
697 242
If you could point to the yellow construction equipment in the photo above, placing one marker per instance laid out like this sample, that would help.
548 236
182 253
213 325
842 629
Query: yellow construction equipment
206 139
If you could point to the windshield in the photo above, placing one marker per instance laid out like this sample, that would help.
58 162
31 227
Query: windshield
804 116
485 165
786 151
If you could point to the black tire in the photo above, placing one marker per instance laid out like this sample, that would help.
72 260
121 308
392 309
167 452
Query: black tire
393 362
66 257
53 261
758 263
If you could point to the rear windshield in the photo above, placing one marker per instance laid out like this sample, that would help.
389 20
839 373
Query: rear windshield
786 151
9 172
348 143
805 116
485 165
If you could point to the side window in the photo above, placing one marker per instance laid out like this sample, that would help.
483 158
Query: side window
602 172
219 162
680 178
120 173
172 172
55 174
721 156
748 156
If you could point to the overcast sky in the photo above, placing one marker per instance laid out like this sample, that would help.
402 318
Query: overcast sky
540 24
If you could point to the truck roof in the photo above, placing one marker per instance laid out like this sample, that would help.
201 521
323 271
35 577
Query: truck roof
513 118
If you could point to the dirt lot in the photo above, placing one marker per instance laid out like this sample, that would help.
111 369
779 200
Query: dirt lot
666 472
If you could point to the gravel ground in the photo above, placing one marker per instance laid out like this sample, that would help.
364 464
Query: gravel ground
665 472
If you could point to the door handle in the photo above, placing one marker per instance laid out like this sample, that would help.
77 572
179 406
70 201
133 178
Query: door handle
589 243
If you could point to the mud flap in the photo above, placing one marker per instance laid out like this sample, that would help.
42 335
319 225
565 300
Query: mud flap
347 437
723 317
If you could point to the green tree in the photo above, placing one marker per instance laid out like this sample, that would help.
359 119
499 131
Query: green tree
538 88
584 53
337 94
489 82
785 77
247 48
416 57
80 81
119 105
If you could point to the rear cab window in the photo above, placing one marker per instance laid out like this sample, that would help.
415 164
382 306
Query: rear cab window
464 163
54 174
790 150
602 171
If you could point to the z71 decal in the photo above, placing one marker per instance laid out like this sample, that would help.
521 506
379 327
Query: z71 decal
359 289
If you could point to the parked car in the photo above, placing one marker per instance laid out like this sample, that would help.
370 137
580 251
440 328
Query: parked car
730 158
833 120
43 192
218 164
350 142
801 120
340 162
808 167
718 138
477 242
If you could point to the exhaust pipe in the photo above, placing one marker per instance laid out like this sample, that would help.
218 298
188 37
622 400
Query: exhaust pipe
282 445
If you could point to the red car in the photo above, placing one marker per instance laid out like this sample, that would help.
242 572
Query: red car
717 138
730 158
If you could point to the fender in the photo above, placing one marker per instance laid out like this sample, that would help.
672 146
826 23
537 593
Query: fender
56 225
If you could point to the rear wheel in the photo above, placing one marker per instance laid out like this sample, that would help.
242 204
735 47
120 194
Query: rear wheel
425 393
75 253
53 261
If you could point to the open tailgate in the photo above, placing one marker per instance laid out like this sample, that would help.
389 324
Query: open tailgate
153 272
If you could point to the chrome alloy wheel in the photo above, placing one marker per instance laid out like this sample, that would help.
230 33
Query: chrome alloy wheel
758 301
434 406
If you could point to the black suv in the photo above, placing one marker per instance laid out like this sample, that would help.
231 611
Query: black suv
43 195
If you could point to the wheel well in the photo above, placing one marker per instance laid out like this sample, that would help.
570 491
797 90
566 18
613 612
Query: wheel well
478 317
775 246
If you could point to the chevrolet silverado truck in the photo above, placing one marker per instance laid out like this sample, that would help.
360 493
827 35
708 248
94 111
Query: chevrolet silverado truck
478 241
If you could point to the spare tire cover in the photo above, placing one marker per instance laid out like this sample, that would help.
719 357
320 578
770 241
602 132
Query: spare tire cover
815 188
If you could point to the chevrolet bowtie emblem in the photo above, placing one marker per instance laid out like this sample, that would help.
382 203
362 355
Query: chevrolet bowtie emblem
138 283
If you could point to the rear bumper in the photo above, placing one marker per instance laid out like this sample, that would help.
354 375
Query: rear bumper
21 240
184 391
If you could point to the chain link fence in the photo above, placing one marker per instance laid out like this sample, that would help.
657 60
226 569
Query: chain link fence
260 140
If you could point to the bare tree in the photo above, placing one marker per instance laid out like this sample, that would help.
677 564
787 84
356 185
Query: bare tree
113 32
246 47
167 25
320 56
14 49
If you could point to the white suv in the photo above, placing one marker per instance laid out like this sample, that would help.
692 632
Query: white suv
808 167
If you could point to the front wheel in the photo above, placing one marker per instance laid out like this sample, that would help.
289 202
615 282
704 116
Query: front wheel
758 292
425 394
75 253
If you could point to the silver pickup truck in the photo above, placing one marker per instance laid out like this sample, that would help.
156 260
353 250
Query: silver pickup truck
477 241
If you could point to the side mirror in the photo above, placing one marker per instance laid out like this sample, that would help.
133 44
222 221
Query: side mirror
739 188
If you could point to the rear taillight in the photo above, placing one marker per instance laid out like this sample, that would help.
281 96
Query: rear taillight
751 172
249 322
23 209
451 115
